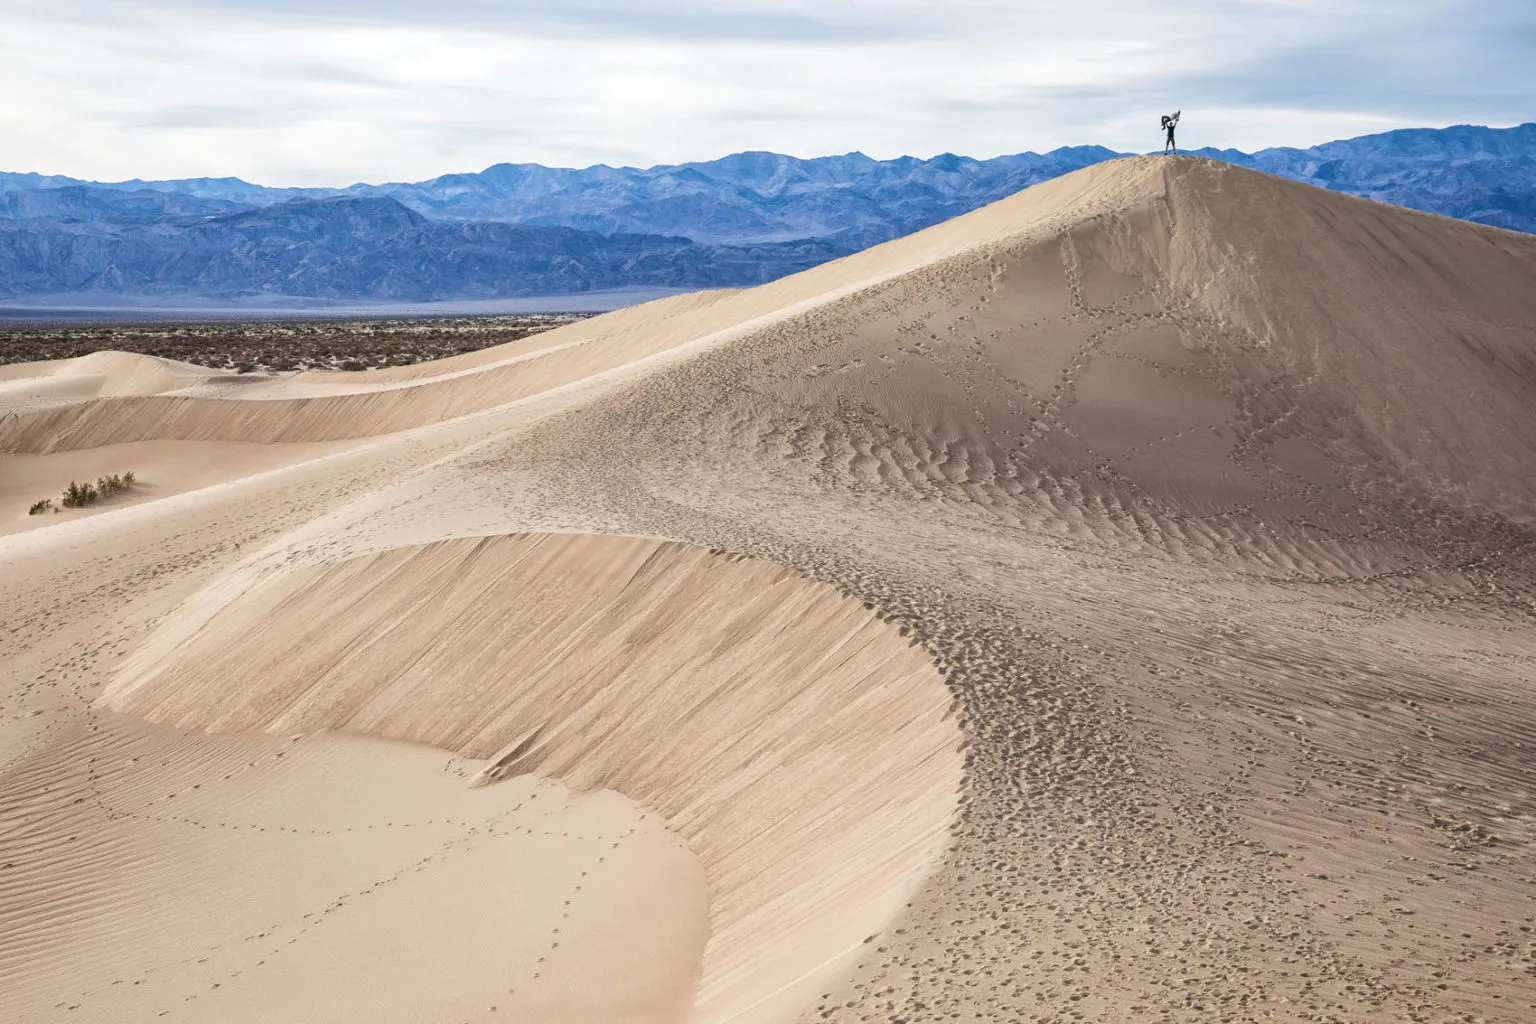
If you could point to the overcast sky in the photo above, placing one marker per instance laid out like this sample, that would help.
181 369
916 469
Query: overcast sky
328 92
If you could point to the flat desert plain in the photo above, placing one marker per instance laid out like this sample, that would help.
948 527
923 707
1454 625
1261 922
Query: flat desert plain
1116 604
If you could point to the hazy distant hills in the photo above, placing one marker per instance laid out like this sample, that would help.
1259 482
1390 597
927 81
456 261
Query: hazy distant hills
364 247
524 229
759 197
748 197
97 202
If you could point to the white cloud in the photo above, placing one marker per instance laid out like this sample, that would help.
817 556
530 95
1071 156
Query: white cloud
394 91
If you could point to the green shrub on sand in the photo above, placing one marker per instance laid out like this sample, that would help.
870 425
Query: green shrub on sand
78 495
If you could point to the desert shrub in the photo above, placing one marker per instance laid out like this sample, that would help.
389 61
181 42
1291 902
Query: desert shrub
262 344
109 485
39 507
79 495
352 364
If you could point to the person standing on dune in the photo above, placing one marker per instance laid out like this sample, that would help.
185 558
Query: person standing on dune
1171 121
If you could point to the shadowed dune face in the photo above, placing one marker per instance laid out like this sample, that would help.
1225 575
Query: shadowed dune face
1417 331
803 748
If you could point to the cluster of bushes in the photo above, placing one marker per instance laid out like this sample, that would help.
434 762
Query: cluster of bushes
281 346
78 495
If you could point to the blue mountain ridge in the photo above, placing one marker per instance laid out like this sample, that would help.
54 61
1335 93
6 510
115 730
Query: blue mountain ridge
525 229
365 247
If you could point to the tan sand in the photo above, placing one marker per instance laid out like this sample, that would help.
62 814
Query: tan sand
161 469
1115 604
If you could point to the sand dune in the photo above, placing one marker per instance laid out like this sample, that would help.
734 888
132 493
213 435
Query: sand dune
162 469
611 663
1118 603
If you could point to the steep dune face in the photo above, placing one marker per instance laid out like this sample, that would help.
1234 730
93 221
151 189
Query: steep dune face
1417 327
1208 496
780 728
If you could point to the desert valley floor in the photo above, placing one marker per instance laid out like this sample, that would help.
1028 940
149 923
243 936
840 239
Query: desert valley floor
1116 604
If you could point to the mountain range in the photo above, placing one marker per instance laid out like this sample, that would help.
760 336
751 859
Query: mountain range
524 229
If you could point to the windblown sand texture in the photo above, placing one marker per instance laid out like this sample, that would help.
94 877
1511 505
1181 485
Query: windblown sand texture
1115 604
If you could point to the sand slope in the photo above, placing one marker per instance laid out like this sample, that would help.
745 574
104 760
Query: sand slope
611 663
1195 505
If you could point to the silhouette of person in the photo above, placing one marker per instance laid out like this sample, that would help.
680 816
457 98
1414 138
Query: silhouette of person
1171 121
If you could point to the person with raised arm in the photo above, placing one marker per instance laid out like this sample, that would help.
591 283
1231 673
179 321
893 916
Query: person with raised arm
1171 121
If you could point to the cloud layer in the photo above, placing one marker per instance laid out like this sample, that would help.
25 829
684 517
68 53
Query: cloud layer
288 92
